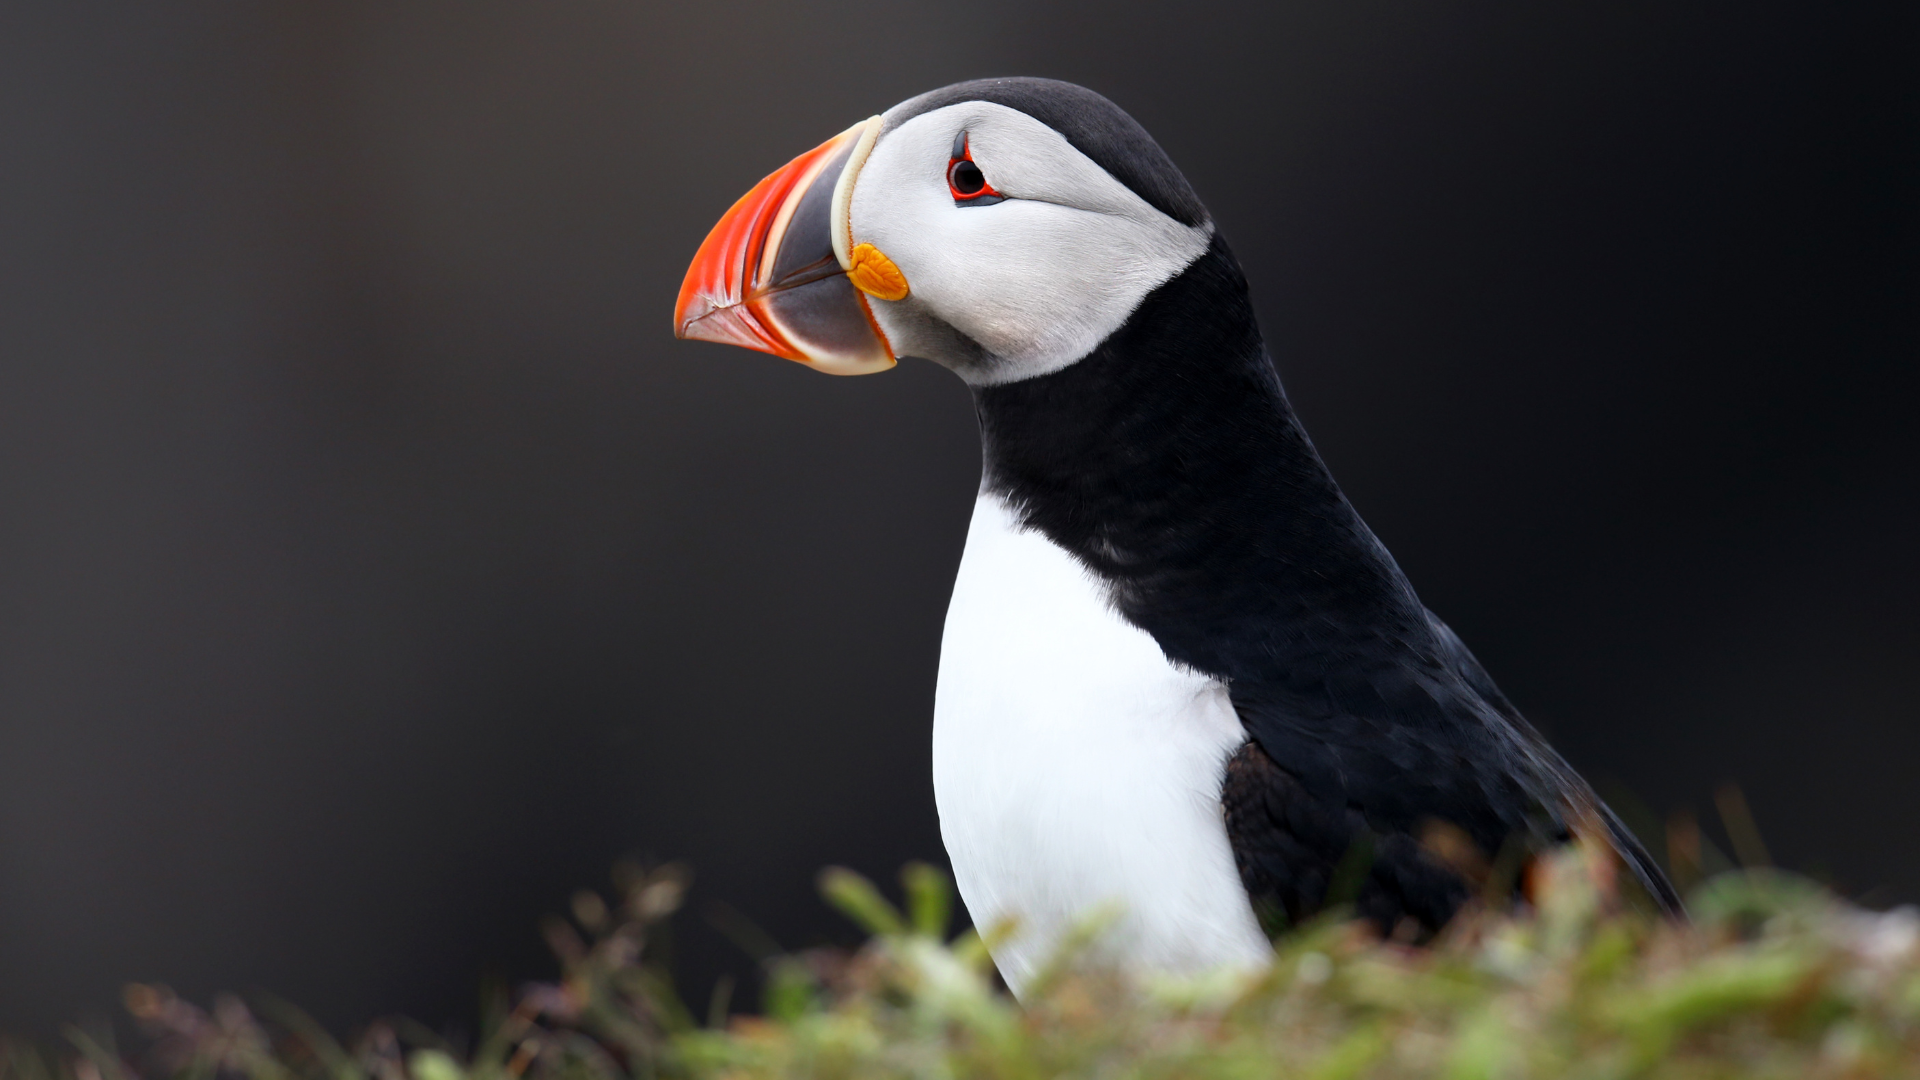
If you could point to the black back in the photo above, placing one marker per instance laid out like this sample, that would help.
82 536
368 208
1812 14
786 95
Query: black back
1090 123
1170 463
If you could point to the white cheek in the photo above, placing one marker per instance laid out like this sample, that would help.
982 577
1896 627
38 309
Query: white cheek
1033 283
1056 281
1039 284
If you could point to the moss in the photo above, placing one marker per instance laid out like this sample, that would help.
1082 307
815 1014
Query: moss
1772 978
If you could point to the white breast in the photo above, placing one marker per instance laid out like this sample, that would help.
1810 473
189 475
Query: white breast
1075 767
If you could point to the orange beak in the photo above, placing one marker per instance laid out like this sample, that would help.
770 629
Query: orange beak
772 275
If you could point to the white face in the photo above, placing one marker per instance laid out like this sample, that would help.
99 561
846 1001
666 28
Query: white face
1018 288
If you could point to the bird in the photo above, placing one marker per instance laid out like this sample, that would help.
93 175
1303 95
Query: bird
1181 682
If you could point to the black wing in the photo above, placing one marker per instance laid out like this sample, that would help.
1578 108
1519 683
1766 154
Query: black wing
1639 862
1351 814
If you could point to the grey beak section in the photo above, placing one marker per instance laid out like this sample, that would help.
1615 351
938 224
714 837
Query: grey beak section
808 293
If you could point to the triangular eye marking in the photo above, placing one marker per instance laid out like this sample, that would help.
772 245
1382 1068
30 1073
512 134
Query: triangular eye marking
965 181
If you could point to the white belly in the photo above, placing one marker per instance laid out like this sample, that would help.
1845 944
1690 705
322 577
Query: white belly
1076 768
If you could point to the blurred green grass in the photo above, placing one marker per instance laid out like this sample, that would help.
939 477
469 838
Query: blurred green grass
1772 977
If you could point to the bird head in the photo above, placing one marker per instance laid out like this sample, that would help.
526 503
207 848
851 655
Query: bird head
1002 228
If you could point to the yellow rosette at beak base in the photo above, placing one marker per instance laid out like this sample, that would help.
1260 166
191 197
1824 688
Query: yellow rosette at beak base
875 274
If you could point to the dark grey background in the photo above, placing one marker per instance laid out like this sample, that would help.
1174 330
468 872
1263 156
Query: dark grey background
375 569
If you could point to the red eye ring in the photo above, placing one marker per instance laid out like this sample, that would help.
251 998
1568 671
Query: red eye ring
965 182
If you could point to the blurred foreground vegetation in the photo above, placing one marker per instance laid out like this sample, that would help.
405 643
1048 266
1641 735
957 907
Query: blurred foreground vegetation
1774 977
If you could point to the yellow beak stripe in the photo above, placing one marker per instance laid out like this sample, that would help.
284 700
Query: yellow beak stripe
875 274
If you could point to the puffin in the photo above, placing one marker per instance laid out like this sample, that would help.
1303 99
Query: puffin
1182 686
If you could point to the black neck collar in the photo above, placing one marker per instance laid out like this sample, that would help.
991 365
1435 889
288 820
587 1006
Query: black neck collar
1170 463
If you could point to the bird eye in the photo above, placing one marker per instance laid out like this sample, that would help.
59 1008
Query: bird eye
965 181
